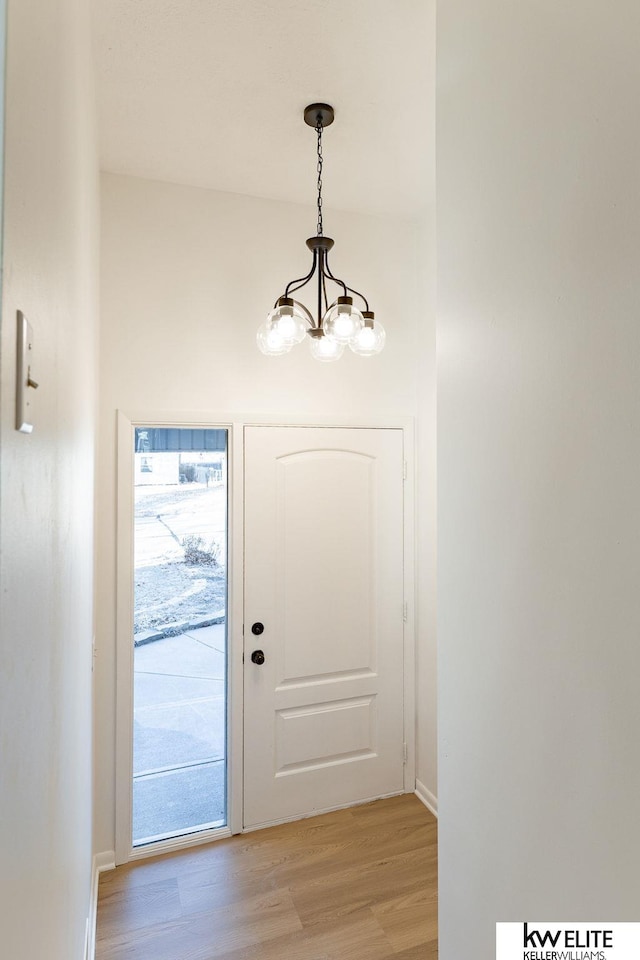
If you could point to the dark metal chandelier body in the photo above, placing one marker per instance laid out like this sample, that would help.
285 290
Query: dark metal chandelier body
337 322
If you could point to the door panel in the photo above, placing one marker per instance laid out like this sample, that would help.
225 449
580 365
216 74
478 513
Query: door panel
323 573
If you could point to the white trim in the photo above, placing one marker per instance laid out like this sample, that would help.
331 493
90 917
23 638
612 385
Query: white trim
124 633
235 631
104 861
174 844
409 567
224 419
101 861
429 799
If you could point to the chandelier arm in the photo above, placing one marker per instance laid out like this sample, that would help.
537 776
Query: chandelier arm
345 287
291 286
321 265
298 284
326 298
340 283
362 297
309 315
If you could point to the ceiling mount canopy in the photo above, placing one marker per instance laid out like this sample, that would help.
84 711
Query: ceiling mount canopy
319 114
337 321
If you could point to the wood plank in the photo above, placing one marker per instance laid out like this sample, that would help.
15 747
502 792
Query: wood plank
146 905
358 937
209 934
356 884
409 920
363 884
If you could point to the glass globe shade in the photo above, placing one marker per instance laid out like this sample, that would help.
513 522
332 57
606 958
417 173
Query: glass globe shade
370 339
322 348
289 322
270 341
342 322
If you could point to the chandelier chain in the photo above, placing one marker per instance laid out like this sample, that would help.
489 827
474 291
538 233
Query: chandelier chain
319 133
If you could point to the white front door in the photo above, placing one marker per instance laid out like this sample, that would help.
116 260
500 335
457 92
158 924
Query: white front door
324 577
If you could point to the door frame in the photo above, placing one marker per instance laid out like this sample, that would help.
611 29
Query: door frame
126 424
234 424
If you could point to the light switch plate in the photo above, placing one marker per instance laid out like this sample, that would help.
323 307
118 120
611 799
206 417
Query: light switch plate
24 360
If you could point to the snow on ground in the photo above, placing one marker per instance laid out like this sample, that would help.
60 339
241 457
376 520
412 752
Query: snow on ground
169 590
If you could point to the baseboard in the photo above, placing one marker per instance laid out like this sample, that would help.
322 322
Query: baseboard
430 801
101 861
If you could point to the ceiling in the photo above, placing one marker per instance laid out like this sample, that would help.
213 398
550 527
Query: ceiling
211 93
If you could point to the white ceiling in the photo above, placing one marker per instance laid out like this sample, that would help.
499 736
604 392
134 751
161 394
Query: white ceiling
211 93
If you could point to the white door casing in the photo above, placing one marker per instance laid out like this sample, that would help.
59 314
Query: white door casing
323 715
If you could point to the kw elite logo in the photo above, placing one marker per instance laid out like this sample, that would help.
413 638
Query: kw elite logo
567 941
572 944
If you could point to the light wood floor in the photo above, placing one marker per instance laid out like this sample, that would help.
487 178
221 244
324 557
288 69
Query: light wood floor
357 884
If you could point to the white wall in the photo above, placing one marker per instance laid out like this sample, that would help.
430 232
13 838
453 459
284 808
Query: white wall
187 276
46 491
538 153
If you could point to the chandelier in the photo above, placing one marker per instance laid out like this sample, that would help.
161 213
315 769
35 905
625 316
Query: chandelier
337 322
